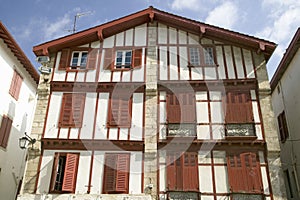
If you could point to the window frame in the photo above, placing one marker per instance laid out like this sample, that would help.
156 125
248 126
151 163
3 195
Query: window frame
202 56
79 61
282 127
112 174
5 129
16 84
67 186
66 120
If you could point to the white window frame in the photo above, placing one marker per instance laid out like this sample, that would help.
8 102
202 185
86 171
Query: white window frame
123 66
79 59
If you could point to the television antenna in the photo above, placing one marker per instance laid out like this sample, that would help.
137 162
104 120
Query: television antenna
78 15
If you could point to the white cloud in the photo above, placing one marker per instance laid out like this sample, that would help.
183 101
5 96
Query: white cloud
57 28
185 4
224 15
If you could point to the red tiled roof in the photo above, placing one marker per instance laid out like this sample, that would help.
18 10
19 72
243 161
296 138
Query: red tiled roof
148 15
287 58
17 51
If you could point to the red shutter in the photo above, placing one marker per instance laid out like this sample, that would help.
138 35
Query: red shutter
5 130
244 173
92 59
120 112
109 59
70 174
122 173
238 107
110 173
64 59
171 171
137 58
15 85
173 109
54 171
190 172
72 110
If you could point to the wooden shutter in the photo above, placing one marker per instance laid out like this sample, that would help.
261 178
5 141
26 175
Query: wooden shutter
72 110
54 172
64 59
238 107
120 112
116 173
70 174
110 173
181 108
92 59
137 58
15 85
173 109
171 171
109 59
190 172
5 130
244 173
122 173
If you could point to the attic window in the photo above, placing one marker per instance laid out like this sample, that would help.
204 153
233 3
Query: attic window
123 59
79 59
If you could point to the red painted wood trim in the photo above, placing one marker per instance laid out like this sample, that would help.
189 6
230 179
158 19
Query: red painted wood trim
98 66
233 61
47 113
254 64
95 117
38 171
91 173
244 65
224 61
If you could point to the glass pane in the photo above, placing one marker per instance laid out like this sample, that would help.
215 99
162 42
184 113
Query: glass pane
83 59
194 56
75 59
128 55
209 55
119 59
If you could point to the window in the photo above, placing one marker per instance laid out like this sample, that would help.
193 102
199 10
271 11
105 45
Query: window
238 112
181 114
283 128
5 130
72 109
116 173
119 112
202 56
64 172
244 173
78 59
15 85
182 172
122 59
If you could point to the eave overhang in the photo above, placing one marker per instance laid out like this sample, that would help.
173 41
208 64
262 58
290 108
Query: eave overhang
286 60
152 14
18 52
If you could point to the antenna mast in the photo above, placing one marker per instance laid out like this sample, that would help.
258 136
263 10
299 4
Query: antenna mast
77 16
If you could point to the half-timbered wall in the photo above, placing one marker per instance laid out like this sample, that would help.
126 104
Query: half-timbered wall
213 175
86 159
94 122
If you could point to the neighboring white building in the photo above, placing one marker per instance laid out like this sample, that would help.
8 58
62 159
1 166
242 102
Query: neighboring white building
18 80
285 97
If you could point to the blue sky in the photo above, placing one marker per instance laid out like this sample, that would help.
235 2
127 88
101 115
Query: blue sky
32 22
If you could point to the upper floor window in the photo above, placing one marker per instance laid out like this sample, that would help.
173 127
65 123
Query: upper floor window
5 130
122 59
64 172
244 173
182 171
238 112
202 56
79 59
283 128
15 85
116 173
72 108
119 111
